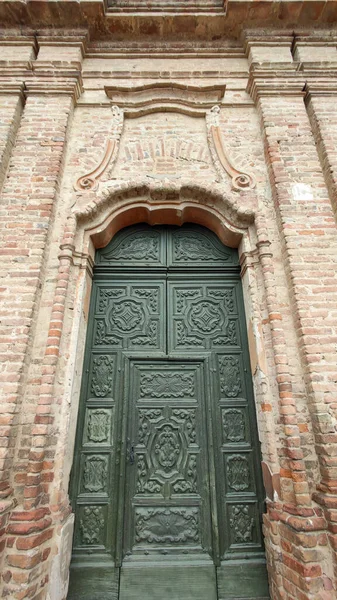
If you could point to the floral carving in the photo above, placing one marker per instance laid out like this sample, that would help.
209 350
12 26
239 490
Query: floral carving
230 376
136 247
150 336
182 295
187 416
183 339
102 337
166 385
106 295
226 296
188 247
189 484
91 524
102 375
167 525
151 296
241 523
167 448
145 485
230 339
145 417
238 473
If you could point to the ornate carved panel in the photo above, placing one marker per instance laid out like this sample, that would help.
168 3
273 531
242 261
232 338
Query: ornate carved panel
102 375
135 245
234 425
192 245
203 317
95 473
130 316
167 465
167 526
238 472
166 384
243 524
92 520
231 380
97 429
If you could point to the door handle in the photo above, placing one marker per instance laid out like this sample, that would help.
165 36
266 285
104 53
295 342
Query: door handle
130 452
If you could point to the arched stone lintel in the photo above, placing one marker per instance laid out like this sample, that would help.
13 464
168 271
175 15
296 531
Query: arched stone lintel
169 203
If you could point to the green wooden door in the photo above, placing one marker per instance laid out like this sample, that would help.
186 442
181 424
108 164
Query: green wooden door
166 483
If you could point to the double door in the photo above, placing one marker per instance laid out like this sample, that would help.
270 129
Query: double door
166 481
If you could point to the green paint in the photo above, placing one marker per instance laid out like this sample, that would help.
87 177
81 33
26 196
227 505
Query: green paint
166 475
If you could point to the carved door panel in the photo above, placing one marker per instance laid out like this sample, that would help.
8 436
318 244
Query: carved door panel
167 502
206 315
166 481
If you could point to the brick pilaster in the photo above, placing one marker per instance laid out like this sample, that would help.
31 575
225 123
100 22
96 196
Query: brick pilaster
306 228
29 199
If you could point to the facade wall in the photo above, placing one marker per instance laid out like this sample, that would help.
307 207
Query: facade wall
238 136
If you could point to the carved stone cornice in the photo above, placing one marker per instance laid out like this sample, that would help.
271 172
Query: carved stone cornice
275 83
138 100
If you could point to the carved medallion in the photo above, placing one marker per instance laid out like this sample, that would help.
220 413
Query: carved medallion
126 315
167 448
206 316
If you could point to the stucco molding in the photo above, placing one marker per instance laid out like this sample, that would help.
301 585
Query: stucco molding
90 180
241 181
139 100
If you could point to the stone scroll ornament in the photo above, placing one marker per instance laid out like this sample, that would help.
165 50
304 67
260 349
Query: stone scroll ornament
240 181
90 180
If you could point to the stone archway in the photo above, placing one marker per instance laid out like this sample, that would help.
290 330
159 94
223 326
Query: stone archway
93 226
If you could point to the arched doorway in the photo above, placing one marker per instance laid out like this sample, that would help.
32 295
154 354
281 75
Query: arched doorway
166 483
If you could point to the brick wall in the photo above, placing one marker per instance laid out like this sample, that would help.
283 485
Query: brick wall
55 128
